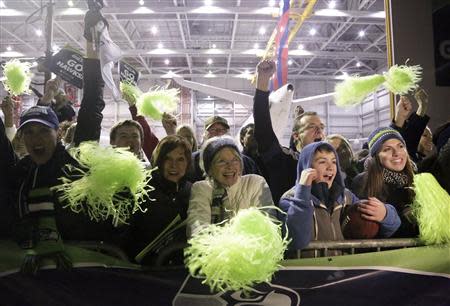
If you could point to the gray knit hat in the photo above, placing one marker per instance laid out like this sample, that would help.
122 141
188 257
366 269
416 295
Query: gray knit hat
212 146
379 136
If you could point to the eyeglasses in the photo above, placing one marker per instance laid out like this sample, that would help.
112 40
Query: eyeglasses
317 128
217 131
224 163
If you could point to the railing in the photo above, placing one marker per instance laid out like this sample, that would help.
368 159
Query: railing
352 246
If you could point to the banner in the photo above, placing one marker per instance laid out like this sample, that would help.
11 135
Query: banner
441 33
128 73
68 64
415 276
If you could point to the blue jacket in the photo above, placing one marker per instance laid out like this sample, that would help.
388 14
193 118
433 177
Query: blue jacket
308 218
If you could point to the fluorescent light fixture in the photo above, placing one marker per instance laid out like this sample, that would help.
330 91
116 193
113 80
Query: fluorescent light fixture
299 52
214 46
273 11
10 12
361 33
73 11
262 30
39 32
70 3
290 62
141 2
208 2
209 10
256 46
209 61
257 52
380 14
167 61
332 4
169 75
8 48
312 31
271 3
214 51
210 75
143 10
160 45
154 30
2 4
161 51
330 13
11 54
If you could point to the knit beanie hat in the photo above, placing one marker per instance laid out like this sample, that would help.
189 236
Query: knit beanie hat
379 136
212 146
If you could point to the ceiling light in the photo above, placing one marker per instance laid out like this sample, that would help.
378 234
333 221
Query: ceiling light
2 4
301 47
312 31
209 61
361 33
331 13
246 71
70 3
11 54
9 48
141 2
262 30
358 64
154 30
290 62
214 46
39 32
210 75
332 4
271 3
256 46
169 75
208 2
160 45
166 61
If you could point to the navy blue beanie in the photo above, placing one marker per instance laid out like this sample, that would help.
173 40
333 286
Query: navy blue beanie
379 136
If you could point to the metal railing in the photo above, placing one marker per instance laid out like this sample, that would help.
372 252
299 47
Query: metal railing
352 246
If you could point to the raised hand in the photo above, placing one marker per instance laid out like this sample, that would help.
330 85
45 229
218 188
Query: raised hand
7 107
169 122
308 176
265 69
422 100
402 111
372 209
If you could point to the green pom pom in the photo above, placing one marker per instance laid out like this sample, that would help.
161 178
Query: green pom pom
130 92
157 101
113 183
355 89
402 79
239 254
17 77
431 208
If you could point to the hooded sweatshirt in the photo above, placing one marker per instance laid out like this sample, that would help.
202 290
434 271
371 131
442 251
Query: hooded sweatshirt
314 212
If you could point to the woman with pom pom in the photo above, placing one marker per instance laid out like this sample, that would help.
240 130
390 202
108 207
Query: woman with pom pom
226 190
315 206
389 176
166 212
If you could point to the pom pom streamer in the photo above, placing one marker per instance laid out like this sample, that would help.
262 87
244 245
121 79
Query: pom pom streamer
431 208
17 77
129 91
239 254
113 183
401 79
355 89
157 101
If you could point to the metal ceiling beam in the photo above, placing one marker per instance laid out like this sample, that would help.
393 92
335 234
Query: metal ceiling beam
19 39
233 36
183 37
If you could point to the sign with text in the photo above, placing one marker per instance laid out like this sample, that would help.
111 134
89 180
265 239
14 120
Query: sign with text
68 64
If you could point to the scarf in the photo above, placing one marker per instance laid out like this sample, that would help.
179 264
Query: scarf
397 179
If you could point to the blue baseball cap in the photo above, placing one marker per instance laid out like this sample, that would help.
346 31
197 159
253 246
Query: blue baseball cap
40 114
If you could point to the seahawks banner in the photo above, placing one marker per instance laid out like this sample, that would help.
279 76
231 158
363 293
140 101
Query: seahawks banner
414 276
128 73
68 64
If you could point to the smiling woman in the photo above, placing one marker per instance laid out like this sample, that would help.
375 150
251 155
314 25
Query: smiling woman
226 190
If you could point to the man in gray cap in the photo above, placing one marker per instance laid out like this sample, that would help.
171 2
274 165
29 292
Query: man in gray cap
217 126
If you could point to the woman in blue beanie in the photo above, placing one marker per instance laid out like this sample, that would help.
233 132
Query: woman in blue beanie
389 177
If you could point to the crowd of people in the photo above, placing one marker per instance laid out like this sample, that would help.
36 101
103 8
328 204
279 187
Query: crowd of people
314 182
